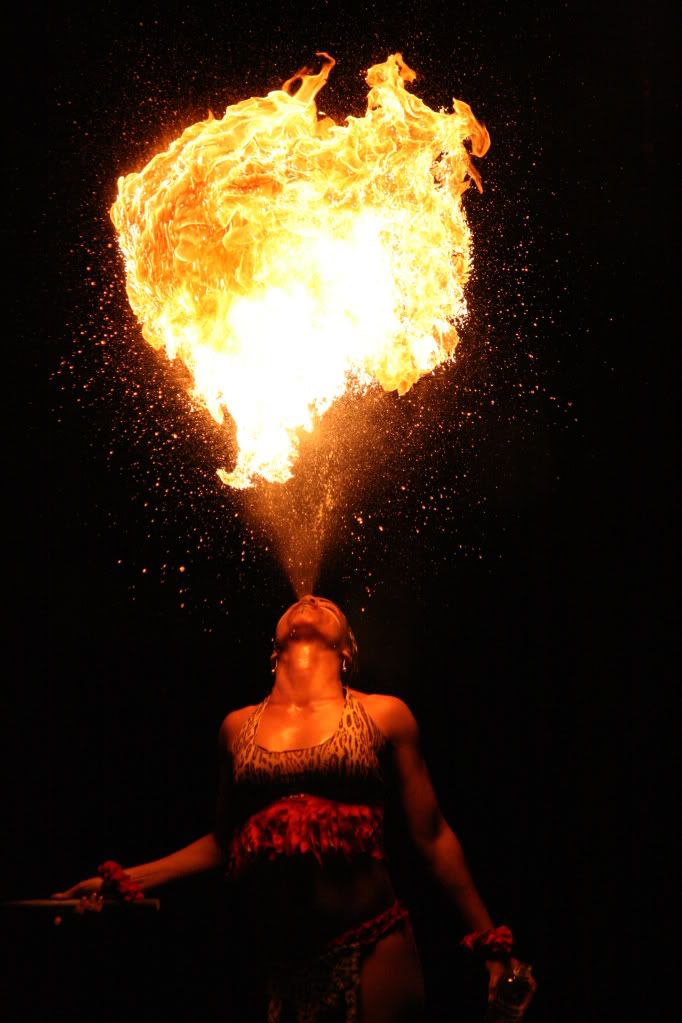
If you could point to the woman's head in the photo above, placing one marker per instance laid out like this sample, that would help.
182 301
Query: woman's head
316 619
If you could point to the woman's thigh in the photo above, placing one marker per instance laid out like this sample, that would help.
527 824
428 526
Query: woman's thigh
391 981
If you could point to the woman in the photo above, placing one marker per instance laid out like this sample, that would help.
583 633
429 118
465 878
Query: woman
299 826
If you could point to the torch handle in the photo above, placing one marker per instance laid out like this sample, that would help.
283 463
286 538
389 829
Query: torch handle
56 904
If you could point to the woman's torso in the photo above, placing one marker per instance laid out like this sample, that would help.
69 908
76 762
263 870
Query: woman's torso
299 899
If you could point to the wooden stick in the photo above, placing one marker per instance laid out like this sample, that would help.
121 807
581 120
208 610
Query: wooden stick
56 904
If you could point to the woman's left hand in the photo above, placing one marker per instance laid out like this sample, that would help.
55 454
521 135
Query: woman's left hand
495 970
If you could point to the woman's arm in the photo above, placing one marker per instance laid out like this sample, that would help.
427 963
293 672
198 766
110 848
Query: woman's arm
430 831
205 853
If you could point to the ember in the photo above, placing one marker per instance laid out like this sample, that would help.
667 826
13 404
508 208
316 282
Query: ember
285 259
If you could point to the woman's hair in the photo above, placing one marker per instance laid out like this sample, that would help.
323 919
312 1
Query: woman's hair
353 665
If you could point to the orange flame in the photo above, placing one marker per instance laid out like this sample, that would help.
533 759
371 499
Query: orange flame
284 258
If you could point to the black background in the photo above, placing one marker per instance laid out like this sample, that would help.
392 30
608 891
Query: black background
526 616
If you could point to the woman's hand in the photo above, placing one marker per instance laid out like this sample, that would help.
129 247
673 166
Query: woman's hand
495 970
89 892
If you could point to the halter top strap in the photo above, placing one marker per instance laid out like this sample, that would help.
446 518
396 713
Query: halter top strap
377 736
247 733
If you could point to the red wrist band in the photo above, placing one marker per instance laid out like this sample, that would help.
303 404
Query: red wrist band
492 943
118 882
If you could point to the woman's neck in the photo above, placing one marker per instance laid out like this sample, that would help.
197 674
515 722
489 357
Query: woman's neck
306 672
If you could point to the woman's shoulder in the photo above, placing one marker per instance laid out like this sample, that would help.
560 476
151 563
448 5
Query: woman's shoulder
390 714
233 724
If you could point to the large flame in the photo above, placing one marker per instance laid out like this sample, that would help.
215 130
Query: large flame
284 258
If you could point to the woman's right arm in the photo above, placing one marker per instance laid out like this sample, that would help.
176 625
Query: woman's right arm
204 854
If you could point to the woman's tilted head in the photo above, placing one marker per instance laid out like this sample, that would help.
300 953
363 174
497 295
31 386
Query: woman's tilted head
316 619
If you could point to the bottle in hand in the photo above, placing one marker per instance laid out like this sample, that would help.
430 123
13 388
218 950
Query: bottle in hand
512 995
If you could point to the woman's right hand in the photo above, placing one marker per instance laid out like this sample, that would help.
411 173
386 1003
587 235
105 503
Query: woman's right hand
88 891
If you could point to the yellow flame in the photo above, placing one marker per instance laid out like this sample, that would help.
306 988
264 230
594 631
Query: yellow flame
284 258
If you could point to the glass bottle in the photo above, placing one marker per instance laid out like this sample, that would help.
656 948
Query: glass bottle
512 994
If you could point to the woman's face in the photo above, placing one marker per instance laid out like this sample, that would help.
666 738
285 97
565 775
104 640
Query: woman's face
313 618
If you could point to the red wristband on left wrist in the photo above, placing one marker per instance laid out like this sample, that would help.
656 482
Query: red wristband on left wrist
491 943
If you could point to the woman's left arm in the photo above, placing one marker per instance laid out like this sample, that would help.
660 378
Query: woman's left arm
431 833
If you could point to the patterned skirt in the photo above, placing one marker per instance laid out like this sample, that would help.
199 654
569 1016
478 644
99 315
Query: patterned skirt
326 988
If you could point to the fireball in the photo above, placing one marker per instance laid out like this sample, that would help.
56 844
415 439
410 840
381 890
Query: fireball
286 259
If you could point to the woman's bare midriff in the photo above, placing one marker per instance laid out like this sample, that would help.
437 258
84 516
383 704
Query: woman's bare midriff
347 894
297 905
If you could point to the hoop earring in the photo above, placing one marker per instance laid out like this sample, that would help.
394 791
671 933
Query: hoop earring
344 666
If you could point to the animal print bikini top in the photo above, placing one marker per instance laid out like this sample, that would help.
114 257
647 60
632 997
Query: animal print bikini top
318 799
348 766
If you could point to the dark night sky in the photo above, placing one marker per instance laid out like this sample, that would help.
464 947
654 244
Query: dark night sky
525 613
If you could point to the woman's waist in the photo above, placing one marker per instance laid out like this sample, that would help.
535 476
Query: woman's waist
297 902
345 893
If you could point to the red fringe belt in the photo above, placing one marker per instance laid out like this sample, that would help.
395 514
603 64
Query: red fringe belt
308 825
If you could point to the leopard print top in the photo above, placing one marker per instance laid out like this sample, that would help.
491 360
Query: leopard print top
349 766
